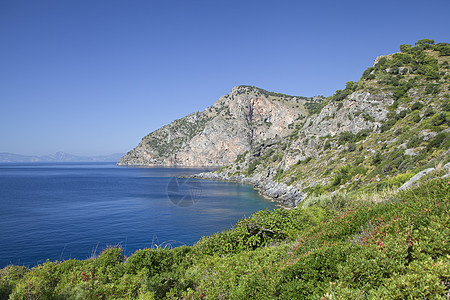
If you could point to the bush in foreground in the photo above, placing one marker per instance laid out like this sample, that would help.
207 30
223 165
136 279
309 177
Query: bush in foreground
395 249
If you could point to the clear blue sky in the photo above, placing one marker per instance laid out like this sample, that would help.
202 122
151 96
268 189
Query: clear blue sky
93 77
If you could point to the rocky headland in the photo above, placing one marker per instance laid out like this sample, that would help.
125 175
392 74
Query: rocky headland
216 136
376 133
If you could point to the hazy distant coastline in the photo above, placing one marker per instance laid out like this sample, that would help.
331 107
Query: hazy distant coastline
6 157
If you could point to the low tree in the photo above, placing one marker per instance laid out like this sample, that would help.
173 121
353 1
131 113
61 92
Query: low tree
405 48
425 42
443 48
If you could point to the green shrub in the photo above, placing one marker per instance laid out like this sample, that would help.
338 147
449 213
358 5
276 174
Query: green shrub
252 167
387 125
437 141
377 159
401 114
417 106
446 105
342 175
428 71
394 105
366 74
425 43
416 117
277 157
351 147
40 283
428 112
439 119
110 257
443 48
414 142
269 153
241 157
314 107
309 277
381 64
405 48
432 89
9 277
400 91
369 118
359 160
261 229
336 203
340 95
346 136
422 279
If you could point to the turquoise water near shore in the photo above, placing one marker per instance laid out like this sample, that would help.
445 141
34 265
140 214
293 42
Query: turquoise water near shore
59 211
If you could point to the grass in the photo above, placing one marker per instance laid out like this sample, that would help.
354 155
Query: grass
371 245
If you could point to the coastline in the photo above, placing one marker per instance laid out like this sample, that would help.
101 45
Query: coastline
287 197
212 168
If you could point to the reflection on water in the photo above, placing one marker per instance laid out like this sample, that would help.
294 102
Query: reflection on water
62 211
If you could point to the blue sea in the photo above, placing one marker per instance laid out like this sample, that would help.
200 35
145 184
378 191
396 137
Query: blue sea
59 211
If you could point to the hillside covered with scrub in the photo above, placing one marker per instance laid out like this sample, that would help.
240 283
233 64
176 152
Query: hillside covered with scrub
361 224
340 246
376 133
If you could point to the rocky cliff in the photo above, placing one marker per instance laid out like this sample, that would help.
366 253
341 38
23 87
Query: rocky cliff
216 136
375 134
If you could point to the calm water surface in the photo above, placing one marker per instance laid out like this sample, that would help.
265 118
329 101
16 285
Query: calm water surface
60 211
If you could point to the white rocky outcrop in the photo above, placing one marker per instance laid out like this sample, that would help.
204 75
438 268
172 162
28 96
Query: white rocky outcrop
216 136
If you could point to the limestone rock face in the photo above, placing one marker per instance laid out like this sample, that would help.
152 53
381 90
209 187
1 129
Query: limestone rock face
216 136
359 111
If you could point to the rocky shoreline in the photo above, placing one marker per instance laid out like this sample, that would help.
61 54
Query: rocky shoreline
287 196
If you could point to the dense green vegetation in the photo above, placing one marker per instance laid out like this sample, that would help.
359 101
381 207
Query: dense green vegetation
314 107
343 246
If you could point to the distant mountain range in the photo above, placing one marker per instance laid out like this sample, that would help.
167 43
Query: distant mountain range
58 157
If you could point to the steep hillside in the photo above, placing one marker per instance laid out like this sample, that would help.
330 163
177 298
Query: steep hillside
376 133
216 136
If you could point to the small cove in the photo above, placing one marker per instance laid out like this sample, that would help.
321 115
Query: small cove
59 211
